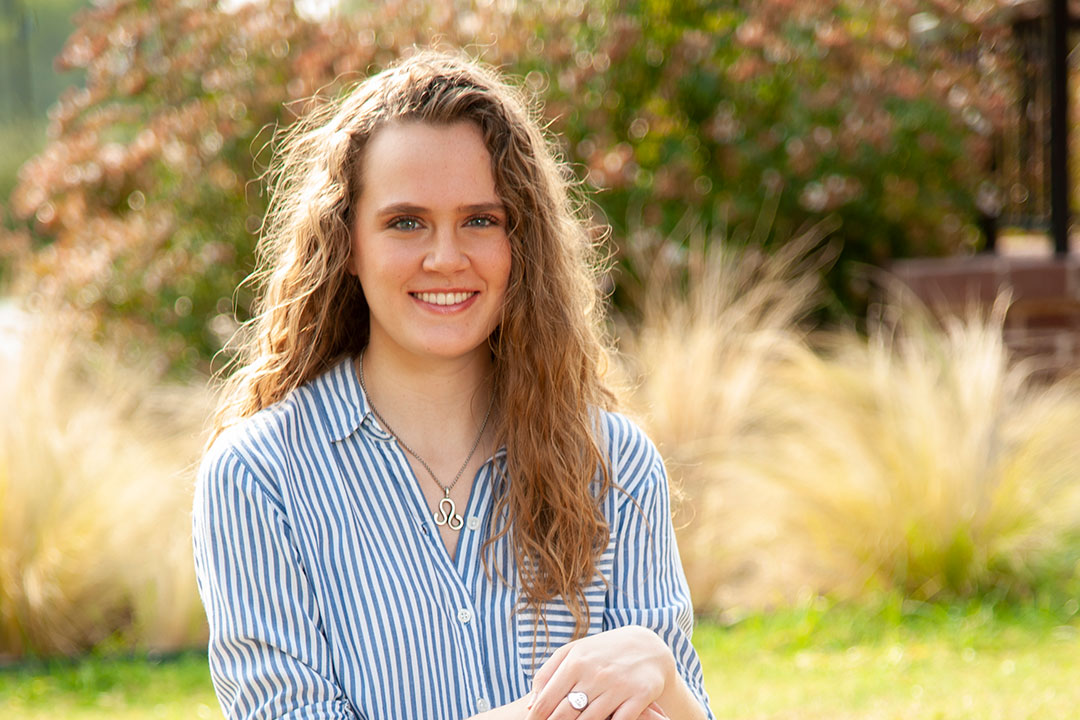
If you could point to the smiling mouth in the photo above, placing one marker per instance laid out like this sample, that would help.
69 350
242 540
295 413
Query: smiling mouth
454 298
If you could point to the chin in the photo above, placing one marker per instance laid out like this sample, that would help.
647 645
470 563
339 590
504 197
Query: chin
454 352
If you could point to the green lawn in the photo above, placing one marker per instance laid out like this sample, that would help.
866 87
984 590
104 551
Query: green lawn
119 689
935 663
931 663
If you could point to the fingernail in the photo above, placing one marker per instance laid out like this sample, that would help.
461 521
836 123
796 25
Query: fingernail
532 699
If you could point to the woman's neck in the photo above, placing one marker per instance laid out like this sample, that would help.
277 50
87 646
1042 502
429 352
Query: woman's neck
432 403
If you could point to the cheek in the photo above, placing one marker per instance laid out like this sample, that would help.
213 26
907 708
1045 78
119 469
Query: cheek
502 263
364 269
383 268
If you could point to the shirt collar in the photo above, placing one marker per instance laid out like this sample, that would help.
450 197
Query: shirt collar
347 408
345 404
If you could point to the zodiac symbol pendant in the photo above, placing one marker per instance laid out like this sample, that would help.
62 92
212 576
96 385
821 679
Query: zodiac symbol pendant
447 514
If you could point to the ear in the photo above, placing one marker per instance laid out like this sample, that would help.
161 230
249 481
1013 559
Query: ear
352 265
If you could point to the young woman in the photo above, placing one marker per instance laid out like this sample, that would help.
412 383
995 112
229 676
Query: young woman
419 503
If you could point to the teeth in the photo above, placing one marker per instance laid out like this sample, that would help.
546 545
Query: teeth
444 298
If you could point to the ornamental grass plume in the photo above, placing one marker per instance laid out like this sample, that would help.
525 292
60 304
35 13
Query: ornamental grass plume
921 458
94 500
917 458
716 319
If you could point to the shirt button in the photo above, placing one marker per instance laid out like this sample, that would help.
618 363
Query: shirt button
464 615
482 704
473 523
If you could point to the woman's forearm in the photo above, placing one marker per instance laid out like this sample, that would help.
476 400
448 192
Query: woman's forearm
678 701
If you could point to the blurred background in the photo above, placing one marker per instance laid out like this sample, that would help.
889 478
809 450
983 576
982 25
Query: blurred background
840 308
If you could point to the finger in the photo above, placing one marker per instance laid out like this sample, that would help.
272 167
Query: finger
653 712
550 666
601 707
550 697
598 708
633 709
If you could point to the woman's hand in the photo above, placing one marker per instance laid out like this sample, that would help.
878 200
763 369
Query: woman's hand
622 672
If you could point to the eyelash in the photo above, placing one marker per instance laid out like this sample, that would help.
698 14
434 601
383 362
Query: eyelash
393 224
491 221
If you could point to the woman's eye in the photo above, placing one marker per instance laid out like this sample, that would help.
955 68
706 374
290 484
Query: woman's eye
483 221
405 224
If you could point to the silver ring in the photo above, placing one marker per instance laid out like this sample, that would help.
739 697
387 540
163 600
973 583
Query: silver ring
578 700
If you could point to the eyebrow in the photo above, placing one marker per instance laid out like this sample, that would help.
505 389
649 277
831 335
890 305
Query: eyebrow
410 209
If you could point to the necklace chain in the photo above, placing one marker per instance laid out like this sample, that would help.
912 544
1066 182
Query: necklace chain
447 514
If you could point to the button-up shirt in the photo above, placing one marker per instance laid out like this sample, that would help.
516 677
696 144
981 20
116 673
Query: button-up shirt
330 593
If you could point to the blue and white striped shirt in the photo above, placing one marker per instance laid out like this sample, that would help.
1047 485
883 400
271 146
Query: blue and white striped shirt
331 595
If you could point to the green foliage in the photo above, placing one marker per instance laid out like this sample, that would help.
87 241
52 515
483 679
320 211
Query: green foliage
823 108
31 34
21 134
142 209
175 687
53 21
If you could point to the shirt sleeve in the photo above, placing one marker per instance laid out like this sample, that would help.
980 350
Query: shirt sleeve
648 586
269 657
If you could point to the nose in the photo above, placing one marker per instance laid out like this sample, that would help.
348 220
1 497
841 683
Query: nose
445 254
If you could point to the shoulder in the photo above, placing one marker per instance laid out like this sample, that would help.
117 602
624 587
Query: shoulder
265 445
258 438
636 464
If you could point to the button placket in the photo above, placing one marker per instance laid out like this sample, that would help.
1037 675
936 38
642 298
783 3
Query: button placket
465 564
470 538
474 648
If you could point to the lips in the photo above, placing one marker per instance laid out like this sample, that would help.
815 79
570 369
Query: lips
443 298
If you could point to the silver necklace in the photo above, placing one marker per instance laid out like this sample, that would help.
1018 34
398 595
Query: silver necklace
447 514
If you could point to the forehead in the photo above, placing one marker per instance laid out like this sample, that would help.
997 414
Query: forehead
427 163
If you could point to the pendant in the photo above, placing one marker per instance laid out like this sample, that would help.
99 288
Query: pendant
447 514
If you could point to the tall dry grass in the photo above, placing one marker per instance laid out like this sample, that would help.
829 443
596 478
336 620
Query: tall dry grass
922 458
95 488
716 321
917 458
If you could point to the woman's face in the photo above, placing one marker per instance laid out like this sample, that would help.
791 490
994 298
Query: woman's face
429 242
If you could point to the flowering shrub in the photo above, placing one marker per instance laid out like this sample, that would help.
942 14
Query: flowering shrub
143 208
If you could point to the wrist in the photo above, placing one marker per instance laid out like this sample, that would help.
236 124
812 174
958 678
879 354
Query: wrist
664 656
671 668
511 711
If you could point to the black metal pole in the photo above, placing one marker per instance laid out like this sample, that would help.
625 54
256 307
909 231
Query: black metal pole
1059 125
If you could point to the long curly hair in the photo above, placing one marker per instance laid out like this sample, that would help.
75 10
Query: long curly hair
549 353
